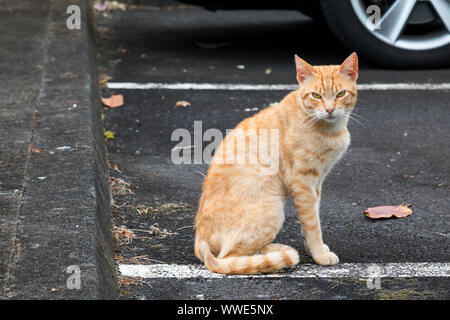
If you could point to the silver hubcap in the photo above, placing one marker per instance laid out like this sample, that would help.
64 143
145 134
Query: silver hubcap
391 25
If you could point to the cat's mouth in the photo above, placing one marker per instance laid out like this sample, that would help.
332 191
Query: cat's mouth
330 118
334 117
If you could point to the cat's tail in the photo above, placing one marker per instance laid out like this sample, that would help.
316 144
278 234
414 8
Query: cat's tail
274 257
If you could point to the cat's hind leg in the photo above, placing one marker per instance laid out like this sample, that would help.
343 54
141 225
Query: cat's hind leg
235 244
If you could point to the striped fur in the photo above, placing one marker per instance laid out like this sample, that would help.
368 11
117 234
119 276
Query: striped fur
241 210
273 257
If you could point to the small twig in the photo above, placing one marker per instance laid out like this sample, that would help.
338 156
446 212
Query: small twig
185 227
442 234
154 260
201 173
113 203
148 231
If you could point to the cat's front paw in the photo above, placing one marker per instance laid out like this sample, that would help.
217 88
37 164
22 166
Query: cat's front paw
326 258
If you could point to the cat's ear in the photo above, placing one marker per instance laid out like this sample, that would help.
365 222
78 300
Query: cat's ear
349 68
304 69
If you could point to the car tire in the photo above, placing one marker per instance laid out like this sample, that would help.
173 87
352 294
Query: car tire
344 23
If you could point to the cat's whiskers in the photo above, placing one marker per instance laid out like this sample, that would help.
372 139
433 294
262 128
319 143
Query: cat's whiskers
354 110
355 114
310 122
362 102
350 116
314 122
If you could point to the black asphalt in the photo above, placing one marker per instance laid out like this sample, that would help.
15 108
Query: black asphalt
399 151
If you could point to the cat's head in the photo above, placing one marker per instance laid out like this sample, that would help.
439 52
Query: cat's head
328 92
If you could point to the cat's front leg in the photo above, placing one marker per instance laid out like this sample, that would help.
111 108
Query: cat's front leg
306 201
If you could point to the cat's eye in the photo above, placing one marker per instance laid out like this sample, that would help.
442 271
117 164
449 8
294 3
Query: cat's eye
340 94
316 95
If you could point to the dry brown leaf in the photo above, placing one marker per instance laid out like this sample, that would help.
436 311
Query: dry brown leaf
128 281
119 187
183 104
386 212
114 101
115 167
109 135
123 235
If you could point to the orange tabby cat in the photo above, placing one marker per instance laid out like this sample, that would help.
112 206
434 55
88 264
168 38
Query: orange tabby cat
241 207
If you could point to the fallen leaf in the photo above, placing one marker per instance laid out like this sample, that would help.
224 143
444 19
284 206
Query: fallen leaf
120 187
128 281
115 167
114 101
34 149
109 135
386 212
104 79
183 104
123 235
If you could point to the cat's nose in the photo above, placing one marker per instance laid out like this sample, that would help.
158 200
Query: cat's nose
330 111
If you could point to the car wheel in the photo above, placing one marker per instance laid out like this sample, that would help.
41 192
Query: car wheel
408 33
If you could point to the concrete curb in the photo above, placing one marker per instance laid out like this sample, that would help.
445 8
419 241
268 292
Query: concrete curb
65 219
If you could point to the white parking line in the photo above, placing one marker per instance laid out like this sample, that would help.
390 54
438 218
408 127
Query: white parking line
351 270
265 87
9 192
